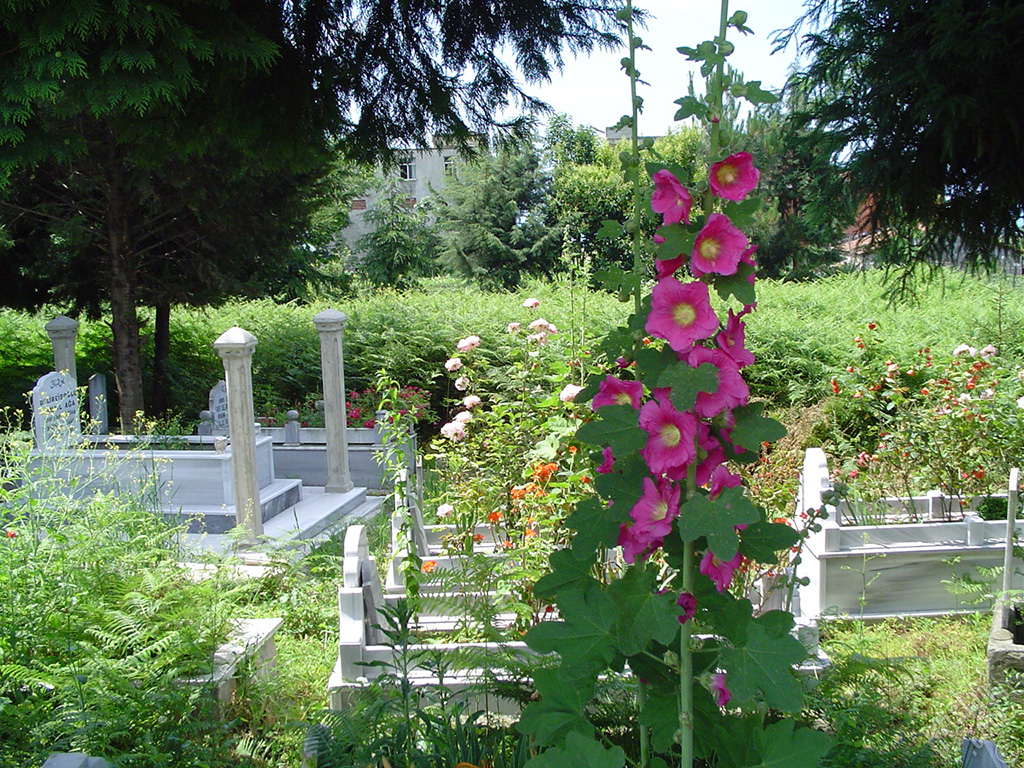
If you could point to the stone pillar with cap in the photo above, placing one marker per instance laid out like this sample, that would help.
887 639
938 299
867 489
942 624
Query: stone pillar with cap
330 325
63 331
235 347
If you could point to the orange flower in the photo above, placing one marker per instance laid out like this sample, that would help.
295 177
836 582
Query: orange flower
429 566
529 532
517 493
573 449
478 537
495 516
543 472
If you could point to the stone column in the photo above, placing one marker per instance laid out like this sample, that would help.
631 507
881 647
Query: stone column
330 324
62 332
235 346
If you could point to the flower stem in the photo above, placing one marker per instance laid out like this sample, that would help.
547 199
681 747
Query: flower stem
685 634
634 136
717 97
645 736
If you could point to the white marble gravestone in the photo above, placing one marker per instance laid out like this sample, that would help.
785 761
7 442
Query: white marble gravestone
55 417
219 405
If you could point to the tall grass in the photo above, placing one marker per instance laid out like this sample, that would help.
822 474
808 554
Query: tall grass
802 333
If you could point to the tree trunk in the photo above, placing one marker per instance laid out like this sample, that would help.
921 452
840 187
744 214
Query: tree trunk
161 352
123 278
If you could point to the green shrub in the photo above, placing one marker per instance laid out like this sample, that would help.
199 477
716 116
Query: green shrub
98 624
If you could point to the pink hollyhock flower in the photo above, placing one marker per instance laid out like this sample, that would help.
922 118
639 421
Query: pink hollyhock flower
671 434
540 338
462 383
709 457
615 391
732 389
718 248
667 267
471 401
463 417
445 510
609 460
688 603
988 351
652 518
721 693
734 177
732 341
531 303
721 479
569 392
453 364
748 258
711 451
671 199
468 344
719 571
454 431
681 314
513 327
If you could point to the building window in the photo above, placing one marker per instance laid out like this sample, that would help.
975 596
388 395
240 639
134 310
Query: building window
358 205
449 165
407 170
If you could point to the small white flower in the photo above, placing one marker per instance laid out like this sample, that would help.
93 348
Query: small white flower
445 510
454 431
513 327
471 401
1020 402
462 383
463 417
531 303
989 351
569 392
965 349
468 344
453 364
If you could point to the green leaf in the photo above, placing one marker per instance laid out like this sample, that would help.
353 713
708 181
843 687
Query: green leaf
617 426
737 285
651 363
690 106
687 382
762 668
596 525
757 95
678 241
615 279
661 714
700 516
644 614
584 638
747 744
560 710
753 428
762 541
579 752
742 214
624 484
610 229
568 572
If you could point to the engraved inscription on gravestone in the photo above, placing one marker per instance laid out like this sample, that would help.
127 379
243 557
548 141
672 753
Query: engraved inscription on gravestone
55 419
219 405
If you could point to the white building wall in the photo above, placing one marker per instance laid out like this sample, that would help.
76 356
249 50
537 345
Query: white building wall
428 178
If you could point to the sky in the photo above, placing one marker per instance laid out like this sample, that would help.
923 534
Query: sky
594 90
